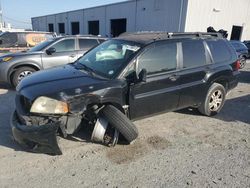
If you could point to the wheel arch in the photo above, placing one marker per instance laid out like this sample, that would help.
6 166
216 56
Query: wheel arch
15 67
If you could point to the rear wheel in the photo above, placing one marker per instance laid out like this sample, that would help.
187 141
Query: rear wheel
242 62
21 73
214 100
118 120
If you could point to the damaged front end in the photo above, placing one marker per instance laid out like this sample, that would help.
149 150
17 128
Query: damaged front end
37 138
38 132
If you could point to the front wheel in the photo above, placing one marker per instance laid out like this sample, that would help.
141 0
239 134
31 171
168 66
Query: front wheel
21 73
118 120
214 100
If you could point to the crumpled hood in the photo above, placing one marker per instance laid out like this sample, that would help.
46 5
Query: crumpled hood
64 79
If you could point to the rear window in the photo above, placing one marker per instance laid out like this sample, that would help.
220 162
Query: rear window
194 53
220 51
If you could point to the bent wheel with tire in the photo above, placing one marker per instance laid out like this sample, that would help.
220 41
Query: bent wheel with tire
21 73
118 120
214 100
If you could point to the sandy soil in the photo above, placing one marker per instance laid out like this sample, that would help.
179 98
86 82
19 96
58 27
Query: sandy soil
177 149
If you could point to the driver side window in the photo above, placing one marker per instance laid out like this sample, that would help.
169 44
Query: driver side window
66 45
161 57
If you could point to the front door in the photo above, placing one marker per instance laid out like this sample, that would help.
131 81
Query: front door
160 92
65 52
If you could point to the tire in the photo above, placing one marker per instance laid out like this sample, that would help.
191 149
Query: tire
21 73
118 120
214 100
242 62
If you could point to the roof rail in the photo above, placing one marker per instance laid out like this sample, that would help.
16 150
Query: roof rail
165 34
196 34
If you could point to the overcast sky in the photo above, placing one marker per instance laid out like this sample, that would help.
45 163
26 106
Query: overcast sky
19 12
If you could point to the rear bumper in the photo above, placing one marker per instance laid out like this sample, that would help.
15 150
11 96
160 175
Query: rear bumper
40 139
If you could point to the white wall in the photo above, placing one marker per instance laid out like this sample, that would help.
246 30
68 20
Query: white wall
201 15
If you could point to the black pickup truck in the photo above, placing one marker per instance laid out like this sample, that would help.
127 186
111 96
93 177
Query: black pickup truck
123 79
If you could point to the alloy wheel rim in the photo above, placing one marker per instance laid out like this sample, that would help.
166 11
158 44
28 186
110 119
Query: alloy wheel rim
242 62
215 100
23 75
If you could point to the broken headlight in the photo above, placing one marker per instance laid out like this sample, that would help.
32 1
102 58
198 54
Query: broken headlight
45 105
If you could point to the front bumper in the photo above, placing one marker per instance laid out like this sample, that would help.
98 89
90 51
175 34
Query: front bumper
40 139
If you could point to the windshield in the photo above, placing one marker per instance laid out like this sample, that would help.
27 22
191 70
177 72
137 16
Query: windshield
41 46
109 58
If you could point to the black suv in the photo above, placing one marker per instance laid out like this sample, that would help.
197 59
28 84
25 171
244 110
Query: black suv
129 77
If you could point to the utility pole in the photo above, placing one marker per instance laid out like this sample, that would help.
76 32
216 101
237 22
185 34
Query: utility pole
1 14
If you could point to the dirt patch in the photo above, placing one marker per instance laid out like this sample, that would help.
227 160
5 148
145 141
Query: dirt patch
128 153
157 142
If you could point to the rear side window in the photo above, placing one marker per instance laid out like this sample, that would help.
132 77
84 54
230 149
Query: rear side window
194 53
87 43
219 50
160 58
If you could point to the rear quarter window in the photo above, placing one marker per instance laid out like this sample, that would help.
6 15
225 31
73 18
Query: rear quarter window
219 50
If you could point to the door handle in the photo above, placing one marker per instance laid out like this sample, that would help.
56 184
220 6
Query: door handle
174 77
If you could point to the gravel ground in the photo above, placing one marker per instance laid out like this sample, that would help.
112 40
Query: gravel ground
177 149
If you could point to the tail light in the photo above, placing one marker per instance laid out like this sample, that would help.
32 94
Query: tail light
236 65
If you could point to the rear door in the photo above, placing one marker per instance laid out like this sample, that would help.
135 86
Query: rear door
84 45
160 92
195 64
65 53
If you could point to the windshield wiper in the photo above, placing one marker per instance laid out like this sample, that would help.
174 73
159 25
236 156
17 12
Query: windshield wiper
86 68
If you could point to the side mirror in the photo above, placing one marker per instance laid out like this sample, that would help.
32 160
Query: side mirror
50 51
142 77
1 42
131 77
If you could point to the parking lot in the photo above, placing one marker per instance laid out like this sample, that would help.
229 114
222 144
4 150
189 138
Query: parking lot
177 149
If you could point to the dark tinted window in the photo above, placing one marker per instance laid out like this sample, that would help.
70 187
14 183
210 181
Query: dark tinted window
194 53
51 27
9 39
61 28
65 45
248 45
87 43
219 50
160 58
